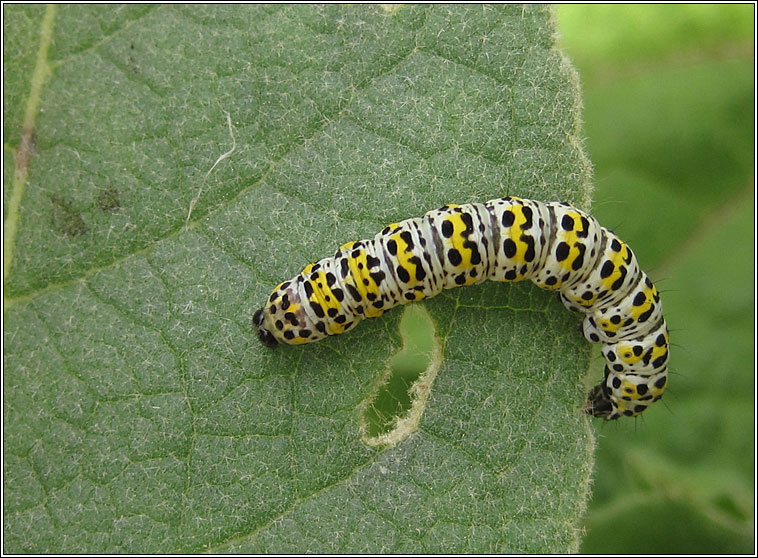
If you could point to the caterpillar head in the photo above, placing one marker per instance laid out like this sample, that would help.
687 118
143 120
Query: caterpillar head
625 394
266 337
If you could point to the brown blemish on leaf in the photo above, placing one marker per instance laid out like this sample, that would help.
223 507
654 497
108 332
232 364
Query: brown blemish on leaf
65 218
108 199
26 150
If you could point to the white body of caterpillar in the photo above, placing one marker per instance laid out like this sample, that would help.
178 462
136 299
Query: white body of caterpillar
555 245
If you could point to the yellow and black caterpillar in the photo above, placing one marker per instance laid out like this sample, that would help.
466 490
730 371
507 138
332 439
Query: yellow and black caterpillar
555 245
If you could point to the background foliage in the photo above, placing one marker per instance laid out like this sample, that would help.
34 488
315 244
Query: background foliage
669 119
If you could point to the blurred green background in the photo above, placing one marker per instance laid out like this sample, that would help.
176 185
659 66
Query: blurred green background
669 123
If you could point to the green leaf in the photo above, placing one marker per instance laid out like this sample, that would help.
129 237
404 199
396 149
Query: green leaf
141 412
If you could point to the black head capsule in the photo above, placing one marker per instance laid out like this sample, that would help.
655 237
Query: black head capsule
263 334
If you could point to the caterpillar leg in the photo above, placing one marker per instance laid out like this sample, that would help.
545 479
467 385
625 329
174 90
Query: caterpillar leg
599 403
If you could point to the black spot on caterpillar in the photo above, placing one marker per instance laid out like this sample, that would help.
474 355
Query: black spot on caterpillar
555 245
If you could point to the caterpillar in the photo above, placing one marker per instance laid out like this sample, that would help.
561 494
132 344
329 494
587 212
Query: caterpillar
554 244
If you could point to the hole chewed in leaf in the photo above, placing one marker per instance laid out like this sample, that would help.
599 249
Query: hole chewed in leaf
393 409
